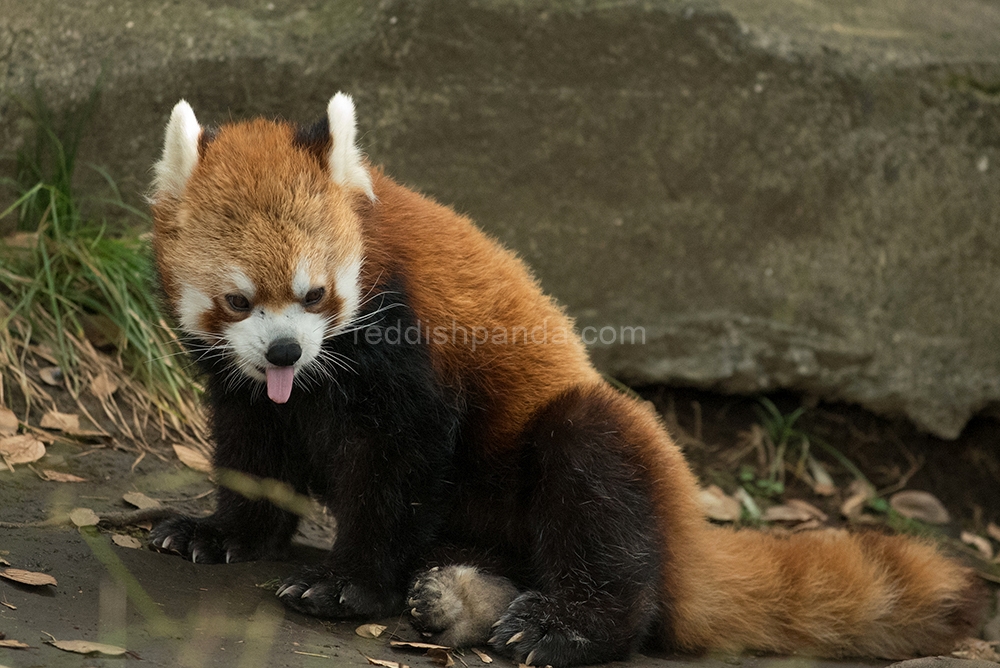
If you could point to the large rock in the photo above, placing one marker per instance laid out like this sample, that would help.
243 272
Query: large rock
777 194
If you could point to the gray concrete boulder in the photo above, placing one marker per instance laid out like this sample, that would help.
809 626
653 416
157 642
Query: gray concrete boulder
764 193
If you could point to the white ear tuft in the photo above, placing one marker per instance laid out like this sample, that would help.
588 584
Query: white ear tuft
347 168
180 152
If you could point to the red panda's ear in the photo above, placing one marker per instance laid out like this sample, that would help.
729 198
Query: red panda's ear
347 168
180 153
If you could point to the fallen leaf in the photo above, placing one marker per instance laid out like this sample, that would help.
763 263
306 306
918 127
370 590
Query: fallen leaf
103 386
805 506
125 541
84 517
28 577
406 644
917 505
978 542
786 513
370 630
87 647
22 449
753 510
68 422
483 656
993 531
824 485
811 525
192 458
718 505
52 375
441 657
140 500
58 476
859 493
4 562
385 664
8 422
14 644
8 605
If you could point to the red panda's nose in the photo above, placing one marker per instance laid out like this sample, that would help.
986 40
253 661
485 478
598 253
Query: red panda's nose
284 352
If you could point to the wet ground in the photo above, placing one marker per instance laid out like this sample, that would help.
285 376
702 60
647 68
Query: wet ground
169 612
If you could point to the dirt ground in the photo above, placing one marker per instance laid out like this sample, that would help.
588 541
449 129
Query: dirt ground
168 612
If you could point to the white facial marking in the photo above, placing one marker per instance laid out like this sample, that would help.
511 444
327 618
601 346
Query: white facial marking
303 281
243 283
348 287
190 307
347 168
180 152
251 337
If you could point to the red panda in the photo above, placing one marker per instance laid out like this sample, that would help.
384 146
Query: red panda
370 347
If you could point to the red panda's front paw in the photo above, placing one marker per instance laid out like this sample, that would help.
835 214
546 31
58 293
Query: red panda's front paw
320 592
204 542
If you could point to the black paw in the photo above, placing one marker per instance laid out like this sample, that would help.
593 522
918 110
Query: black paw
320 592
534 631
204 542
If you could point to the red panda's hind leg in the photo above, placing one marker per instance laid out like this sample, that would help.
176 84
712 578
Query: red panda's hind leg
595 549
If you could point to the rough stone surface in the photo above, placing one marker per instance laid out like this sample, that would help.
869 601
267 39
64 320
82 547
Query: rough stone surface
780 194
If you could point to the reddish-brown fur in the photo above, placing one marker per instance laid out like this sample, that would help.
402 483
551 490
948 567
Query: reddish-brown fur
828 593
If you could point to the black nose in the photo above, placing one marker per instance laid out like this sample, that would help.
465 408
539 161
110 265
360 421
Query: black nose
284 352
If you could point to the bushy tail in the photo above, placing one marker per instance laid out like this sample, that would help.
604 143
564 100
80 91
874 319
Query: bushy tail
824 593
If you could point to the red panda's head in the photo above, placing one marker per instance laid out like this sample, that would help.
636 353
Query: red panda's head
257 238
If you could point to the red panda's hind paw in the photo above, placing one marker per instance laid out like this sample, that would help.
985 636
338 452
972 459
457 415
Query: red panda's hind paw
541 630
320 592
459 604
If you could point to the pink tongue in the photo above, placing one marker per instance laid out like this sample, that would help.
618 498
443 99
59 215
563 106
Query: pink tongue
279 383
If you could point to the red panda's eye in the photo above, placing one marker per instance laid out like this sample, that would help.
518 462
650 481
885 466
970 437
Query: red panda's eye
314 296
238 302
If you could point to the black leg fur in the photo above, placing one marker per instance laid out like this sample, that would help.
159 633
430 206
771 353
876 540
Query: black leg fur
594 547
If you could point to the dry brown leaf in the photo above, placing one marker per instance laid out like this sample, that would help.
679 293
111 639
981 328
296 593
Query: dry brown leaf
441 657
978 542
192 458
59 476
87 647
68 422
84 517
483 656
824 485
917 505
8 605
28 577
859 493
140 500
8 422
993 531
810 525
805 506
22 449
718 505
385 664
125 541
14 644
406 644
4 562
370 630
52 375
103 386
786 513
